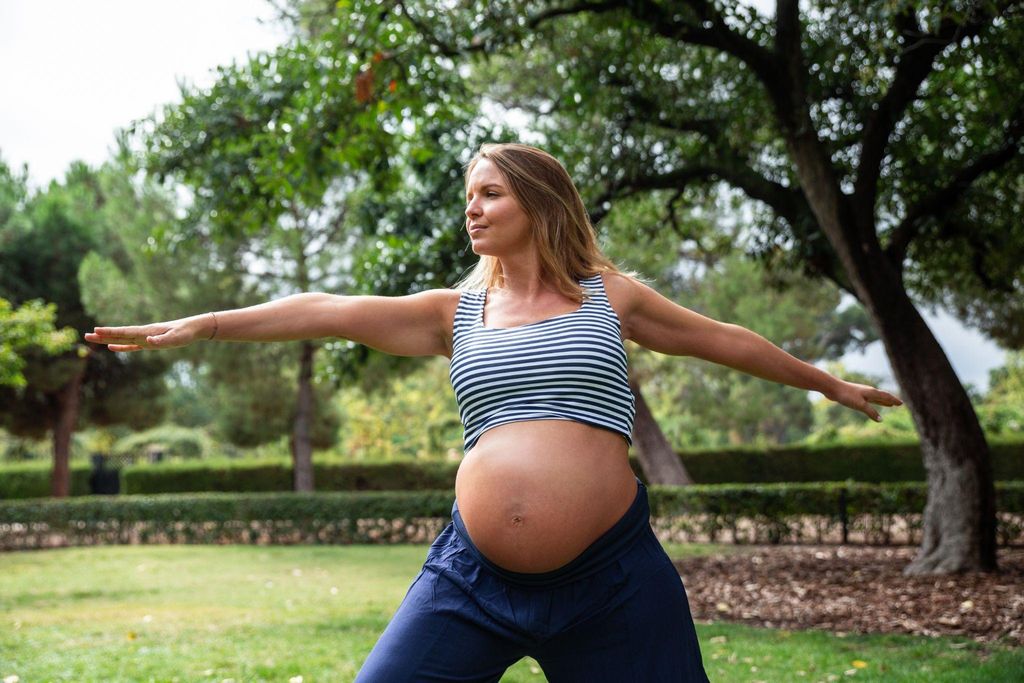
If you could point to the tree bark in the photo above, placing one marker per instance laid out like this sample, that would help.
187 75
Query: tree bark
68 399
659 462
959 517
302 428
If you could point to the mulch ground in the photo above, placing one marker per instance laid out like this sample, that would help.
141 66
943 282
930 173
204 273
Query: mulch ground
855 589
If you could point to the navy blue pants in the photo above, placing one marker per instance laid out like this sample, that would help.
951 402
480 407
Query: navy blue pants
617 613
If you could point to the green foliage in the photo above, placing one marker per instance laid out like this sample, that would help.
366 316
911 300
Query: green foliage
60 227
699 404
639 98
410 417
314 167
1002 411
396 516
834 423
19 449
881 460
32 480
173 441
252 476
189 403
214 517
252 390
30 325
872 462
775 511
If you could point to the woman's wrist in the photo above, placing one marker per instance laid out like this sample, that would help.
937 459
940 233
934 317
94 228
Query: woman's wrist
204 326
830 385
213 333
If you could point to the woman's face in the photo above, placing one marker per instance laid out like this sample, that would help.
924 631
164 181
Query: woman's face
496 223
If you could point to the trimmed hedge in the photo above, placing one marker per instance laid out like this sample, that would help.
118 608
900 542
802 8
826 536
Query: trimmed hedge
32 480
773 513
243 476
865 462
874 463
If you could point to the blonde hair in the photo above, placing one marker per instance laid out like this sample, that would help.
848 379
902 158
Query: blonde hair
565 238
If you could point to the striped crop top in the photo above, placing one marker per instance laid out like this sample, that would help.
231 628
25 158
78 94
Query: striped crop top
569 367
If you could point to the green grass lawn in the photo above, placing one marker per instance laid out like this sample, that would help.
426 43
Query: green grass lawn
241 613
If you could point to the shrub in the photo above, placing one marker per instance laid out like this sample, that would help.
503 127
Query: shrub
761 513
175 441
32 480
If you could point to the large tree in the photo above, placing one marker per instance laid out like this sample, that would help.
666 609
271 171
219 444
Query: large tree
43 239
882 141
242 392
319 160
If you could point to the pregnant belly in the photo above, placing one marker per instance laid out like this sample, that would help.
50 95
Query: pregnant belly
533 495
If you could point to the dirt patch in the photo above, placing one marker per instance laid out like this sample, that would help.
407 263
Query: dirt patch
856 589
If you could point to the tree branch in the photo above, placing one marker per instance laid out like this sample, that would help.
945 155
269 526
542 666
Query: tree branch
916 62
711 31
788 203
945 197
444 48
553 12
655 113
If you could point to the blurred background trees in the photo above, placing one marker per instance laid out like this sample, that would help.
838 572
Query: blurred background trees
44 238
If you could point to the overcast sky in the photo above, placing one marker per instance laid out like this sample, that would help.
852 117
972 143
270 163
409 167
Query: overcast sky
76 71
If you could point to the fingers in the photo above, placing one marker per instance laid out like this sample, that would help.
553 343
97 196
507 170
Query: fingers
105 335
119 339
124 347
884 398
126 339
110 332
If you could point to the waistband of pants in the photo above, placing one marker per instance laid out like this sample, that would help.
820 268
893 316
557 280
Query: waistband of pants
598 555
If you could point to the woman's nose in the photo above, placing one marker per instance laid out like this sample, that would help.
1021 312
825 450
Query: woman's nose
472 209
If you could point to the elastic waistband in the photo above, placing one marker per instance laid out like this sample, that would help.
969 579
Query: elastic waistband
599 554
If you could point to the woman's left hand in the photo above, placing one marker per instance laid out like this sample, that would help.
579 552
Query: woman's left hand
861 396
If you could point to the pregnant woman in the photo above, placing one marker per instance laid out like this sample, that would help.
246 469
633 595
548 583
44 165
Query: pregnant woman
550 553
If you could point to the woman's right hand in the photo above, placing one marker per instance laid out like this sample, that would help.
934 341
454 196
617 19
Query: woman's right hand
168 335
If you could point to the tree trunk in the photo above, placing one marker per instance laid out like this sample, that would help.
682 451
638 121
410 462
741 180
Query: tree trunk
68 399
959 517
302 442
302 429
659 462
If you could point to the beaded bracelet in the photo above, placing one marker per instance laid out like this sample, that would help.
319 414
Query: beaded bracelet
214 333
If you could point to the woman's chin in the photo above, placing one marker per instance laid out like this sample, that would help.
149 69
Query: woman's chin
480 249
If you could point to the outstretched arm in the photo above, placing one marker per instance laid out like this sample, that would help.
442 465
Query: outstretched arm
661 325
402 325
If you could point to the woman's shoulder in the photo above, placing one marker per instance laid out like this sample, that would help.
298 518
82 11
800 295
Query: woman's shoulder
447 297
625 292
622 287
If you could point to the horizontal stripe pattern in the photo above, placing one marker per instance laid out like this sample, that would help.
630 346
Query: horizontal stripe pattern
567 367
